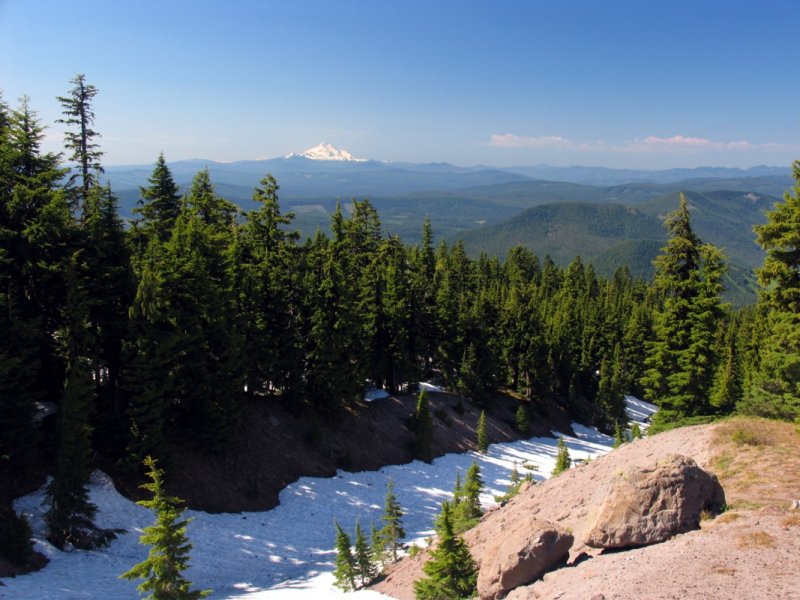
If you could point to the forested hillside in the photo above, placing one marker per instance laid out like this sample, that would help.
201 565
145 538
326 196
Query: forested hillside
609 235
157 334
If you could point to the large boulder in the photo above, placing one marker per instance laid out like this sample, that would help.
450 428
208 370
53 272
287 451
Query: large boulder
647 505
520 556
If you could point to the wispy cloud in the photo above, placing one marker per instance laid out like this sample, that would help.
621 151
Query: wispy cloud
509 140
683 142
676 143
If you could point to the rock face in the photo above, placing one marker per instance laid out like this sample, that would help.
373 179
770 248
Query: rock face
647 505
574 502
521 556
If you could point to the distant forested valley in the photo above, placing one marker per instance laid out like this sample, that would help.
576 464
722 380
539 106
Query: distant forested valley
143 334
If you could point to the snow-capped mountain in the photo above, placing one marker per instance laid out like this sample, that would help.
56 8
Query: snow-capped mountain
327 151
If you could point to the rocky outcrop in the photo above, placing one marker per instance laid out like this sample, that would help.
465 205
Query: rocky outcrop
521 556
579 503
647 505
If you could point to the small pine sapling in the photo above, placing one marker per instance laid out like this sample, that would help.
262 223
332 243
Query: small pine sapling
424 429
563 461
163 568
482 436
392 531
364 567
513 487
451 571
521 420
345 571
466 506
636 431
619 438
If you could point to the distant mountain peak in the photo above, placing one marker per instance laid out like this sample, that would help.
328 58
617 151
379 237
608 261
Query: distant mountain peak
325 151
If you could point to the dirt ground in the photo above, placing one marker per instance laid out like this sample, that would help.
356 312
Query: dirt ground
274 448
752 550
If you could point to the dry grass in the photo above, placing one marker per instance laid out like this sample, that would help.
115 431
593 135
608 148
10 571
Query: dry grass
791 521
728 517
757 539
746 505
754 431
757 462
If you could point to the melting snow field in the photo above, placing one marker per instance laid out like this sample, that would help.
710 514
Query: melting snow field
288 552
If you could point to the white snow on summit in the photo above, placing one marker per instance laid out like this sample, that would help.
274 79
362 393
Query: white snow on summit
327 151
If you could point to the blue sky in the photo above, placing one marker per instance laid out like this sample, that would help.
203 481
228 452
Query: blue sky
620 83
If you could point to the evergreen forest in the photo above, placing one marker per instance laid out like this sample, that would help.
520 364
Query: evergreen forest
160 331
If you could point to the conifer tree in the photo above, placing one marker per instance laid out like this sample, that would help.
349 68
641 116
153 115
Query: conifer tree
775 390
636 431
71 513
15 536
364 568
36 233
522 421
682 356
482 437
208 374
162 570
109 287
159 205
619 438
423 424
468 382
424 285
466 505
392 531
149 359
265 274
451 571
82 144
727 389
563 461
610 398
345 571
332 298
514 486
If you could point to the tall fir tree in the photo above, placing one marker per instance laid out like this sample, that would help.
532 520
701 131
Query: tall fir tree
71 513
159 206
162 570
681 359
109 287
775 390
267 297
149 360
82 142
34 235
727 388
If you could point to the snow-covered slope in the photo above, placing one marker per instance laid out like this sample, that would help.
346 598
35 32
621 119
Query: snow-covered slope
325 151
287 552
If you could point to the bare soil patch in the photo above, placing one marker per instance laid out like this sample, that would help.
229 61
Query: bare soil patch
273 447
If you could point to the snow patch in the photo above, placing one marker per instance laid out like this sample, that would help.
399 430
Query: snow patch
639 411
325 151
286 553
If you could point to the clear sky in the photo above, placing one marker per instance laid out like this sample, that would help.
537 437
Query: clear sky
621 83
